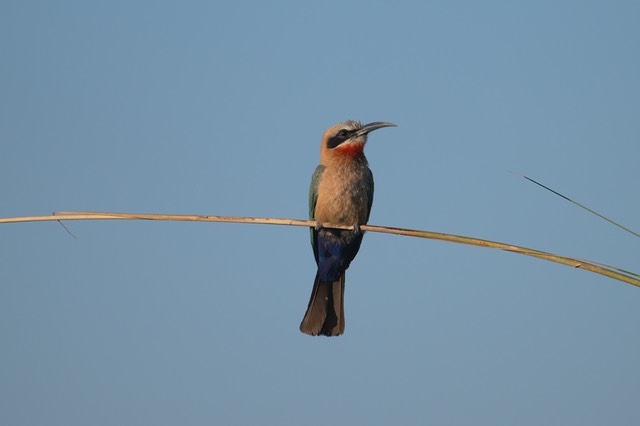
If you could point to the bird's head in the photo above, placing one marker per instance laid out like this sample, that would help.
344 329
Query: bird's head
348 138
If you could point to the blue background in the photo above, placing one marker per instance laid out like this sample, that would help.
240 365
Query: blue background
218 108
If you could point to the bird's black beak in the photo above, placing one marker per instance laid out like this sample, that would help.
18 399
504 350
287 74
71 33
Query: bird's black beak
368 128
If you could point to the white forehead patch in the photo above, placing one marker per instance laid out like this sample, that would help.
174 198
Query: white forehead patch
351 125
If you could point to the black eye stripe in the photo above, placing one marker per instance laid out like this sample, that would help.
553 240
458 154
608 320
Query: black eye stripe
335 141
340 137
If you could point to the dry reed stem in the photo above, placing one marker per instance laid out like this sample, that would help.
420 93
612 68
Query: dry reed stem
606 270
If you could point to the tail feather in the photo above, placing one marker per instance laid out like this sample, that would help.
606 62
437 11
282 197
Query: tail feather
325 313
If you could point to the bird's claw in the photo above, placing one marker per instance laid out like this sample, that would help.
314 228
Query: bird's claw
356 228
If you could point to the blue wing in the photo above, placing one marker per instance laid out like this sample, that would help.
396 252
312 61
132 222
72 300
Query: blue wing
313 198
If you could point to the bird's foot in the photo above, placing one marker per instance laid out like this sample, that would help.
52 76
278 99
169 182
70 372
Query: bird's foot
318 226
356 229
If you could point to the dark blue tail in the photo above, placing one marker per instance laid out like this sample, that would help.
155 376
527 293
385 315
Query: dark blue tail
335 249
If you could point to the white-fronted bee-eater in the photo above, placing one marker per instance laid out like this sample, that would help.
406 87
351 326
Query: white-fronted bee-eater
341 193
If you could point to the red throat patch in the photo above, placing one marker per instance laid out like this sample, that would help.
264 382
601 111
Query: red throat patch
351 149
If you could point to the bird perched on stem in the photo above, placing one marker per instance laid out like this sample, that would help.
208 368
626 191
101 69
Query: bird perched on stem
341 193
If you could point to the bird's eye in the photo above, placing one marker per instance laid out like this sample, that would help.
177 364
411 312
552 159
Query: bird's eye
344 133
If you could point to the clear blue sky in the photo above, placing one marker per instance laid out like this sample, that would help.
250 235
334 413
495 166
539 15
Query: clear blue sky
212 108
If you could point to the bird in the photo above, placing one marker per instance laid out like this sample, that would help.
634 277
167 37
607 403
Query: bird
341 193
